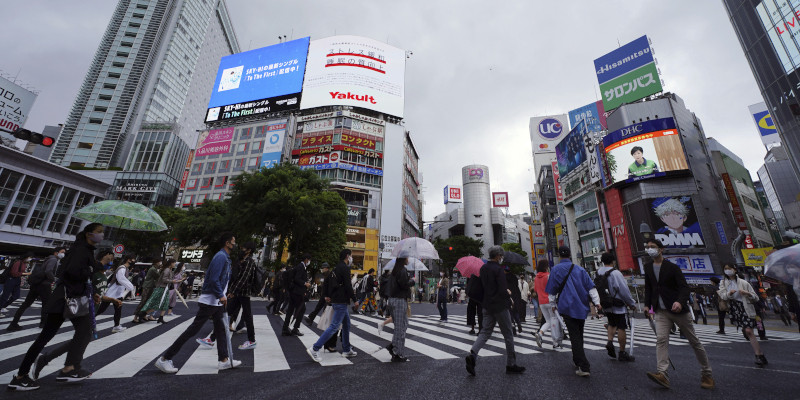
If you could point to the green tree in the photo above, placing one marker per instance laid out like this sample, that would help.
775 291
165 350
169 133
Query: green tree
455 247
292 205
204 225
515 248
155 244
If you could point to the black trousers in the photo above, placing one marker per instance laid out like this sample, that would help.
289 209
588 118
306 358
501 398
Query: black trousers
41 292
276 304
243 302
722 320
296 310
74 348
441 305
117 311
203 314
575 329
320 305
473 309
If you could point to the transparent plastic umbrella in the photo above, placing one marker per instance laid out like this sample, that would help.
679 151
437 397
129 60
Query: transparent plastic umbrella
415 247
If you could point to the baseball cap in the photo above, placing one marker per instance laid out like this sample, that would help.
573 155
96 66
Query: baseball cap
564 251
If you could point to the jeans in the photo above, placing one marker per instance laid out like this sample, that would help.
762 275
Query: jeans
552 322
502 318
74 348
10 291
441 305
575 329
296 310
203 314
664 320
341 316
40 291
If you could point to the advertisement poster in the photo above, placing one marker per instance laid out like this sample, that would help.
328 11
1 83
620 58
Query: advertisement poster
645 150
547 131
627 74
570 152
756 257
15 104
273 146
215 141
780 21
355 71
764 123
672 220
592 113
259 81
452 194
689 264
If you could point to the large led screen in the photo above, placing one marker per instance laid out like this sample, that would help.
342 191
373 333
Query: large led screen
259 81
570 151
672 220
645 150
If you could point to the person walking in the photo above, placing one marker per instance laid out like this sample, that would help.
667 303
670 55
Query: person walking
39 281
174 287
159 299
242 289
619 297
368 304
211 305
722 306
277 292
666 295
73 275
14 281
551 317
339 294
740 296
697 308
495 312
474 309
442 288
400 286
321 303
297 287
571 289
524 290
779 305
118 287
514 299
148 285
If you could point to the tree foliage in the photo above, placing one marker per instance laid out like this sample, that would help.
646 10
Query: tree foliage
462 246
155 244
204 225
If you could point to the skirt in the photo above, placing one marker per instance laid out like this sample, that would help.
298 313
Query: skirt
739 317
158 300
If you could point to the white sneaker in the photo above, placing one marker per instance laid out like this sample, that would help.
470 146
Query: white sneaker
247 345
165 366
381 324
243 330
314 354
349 354
205 343
222 365
118 328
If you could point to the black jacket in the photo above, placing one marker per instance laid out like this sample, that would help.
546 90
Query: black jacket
242 275
495 288
297 285
340 290
76 269
671 286
400 285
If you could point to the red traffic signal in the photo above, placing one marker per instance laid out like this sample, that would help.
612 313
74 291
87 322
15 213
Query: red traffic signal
450 248
33 137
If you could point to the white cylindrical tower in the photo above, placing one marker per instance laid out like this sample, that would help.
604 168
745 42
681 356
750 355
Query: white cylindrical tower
477 205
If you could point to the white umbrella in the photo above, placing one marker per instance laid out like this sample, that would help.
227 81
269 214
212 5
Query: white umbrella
415 247
413 265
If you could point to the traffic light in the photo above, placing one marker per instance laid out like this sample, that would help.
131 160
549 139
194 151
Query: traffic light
33 137
450 248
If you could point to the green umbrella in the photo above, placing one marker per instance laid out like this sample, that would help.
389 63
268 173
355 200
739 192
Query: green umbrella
122 215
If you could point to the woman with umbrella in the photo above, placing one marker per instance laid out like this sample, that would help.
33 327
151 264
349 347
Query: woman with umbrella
399 292
740 297
159 301
75 271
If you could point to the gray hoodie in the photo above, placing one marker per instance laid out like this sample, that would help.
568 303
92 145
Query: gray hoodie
618 288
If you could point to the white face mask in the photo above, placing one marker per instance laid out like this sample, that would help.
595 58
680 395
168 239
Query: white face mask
441 273
651 252
60 255
501 261
730 272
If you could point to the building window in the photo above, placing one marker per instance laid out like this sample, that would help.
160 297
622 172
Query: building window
85 145
187 200
95 120
141 6
113 75
74 225
43 206
198 167
109 86
122 54
211 166
126 44
62 209
137 15
245 133
239 163
100 108
206 183
258 145
104 97
242 147
24 202
130 34
134 24
201 198
221 182
253 162
191 184
8 184
218 196
224 164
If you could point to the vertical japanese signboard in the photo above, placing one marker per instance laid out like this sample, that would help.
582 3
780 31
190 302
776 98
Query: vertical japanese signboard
738 215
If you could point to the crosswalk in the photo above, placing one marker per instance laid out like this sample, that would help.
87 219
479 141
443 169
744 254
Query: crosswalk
133 351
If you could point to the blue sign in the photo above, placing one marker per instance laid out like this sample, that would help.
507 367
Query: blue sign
588 113
723 239
653 125
623 60
765 124
260 74
348 167
550 128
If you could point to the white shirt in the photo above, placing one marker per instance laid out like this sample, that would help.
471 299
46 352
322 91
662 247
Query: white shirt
122 286
210 299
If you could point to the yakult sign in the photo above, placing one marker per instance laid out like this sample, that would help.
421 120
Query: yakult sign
547 131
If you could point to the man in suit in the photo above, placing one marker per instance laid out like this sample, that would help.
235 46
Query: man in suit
298 285
666 295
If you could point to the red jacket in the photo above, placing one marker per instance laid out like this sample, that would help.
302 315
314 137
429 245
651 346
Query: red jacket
18 269
539 284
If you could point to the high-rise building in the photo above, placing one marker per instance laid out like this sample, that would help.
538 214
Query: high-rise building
770 39
155 63
781 187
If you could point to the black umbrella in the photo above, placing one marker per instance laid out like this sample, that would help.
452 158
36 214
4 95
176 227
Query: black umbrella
509 257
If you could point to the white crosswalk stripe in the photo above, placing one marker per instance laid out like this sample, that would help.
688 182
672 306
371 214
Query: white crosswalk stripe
134 350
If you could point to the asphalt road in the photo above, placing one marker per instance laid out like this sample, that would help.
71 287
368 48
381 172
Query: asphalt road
123 364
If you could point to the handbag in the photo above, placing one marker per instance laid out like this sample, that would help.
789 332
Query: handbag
76 307
325 319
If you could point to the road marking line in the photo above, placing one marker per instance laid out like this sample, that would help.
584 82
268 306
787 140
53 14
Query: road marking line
268 354
761 369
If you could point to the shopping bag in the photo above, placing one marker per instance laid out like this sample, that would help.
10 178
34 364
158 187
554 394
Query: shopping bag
325 319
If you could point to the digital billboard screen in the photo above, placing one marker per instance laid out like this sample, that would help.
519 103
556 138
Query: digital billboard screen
644 150
592 113
259 81
672 220
570 151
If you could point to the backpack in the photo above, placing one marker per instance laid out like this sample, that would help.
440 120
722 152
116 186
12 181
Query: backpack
475 289
607 300
37 275
383 289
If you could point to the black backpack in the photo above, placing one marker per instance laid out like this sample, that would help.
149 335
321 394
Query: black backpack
607 300
475 289
37 275
383 289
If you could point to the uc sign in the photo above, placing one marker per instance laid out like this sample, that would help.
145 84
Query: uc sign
550 128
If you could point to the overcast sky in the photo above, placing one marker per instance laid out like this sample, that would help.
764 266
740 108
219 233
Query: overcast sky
478 72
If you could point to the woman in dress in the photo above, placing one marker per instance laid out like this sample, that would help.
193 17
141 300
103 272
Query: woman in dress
174 287
740 297
159 299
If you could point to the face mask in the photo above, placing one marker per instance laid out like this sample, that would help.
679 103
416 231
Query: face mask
60 255
501 261
651 252
730 272
441 273
96 237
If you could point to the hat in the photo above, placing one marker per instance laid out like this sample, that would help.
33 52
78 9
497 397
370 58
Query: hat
564 251
325 265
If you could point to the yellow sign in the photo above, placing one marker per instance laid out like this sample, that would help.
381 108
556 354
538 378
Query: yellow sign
756 257
559 230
